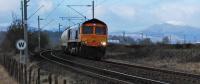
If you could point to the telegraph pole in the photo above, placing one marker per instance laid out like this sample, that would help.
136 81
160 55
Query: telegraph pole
146 35
59 29
39 32
170 39
25 30
93 9
142 36
184 41
124 33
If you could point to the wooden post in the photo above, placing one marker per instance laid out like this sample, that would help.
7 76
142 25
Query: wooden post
50 79
14 69
6 63
11 67
9 64
38 79
25 74
4 60
21 74
30 74
64 82
18 69
33 77
10 70
56 79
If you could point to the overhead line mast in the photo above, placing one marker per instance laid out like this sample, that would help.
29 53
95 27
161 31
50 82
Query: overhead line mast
93 9
59 26
22 12
39 32
25 23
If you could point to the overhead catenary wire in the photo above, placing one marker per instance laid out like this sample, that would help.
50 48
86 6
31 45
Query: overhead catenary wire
58 5
35 12
72 18
77 11
97 4
83 5
46 18
48 23
54 9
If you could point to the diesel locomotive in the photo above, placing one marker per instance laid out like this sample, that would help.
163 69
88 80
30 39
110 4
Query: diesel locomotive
88 39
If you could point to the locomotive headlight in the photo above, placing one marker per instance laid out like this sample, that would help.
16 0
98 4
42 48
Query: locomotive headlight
103 43
84 42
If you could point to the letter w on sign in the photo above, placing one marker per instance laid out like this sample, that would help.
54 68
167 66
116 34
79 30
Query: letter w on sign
21 45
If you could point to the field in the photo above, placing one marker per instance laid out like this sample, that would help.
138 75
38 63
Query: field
179 59
5 78
185 59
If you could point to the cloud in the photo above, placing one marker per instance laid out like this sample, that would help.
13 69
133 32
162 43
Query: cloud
9 5
175 22
176 12
123 11
47 6
7 8
100 11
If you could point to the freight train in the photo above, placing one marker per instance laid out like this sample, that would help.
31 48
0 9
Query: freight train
88 39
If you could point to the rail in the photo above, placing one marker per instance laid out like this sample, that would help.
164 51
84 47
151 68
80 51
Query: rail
98 72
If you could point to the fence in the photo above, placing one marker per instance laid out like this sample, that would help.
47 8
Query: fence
25 74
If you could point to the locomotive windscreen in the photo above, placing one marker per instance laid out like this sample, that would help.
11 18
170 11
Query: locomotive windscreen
87 30
100 31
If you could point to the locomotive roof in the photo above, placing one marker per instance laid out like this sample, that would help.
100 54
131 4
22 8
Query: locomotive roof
94 21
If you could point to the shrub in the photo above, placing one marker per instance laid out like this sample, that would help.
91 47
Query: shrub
15 32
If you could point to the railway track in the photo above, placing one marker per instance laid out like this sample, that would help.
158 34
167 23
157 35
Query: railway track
173 77
99 72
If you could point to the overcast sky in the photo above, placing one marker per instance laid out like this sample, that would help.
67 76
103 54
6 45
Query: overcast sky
120 15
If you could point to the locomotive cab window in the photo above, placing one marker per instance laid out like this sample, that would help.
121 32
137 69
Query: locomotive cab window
100 31
69 33
76 37
87 30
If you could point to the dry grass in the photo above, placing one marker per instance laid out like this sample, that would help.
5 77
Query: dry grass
5 78
187 60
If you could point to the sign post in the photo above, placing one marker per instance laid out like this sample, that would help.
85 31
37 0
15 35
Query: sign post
21 45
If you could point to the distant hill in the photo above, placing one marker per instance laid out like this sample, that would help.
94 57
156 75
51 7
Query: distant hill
156 32
3 28
177 32
172 29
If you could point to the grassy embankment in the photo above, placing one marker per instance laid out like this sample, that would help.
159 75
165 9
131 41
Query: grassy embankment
181 59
